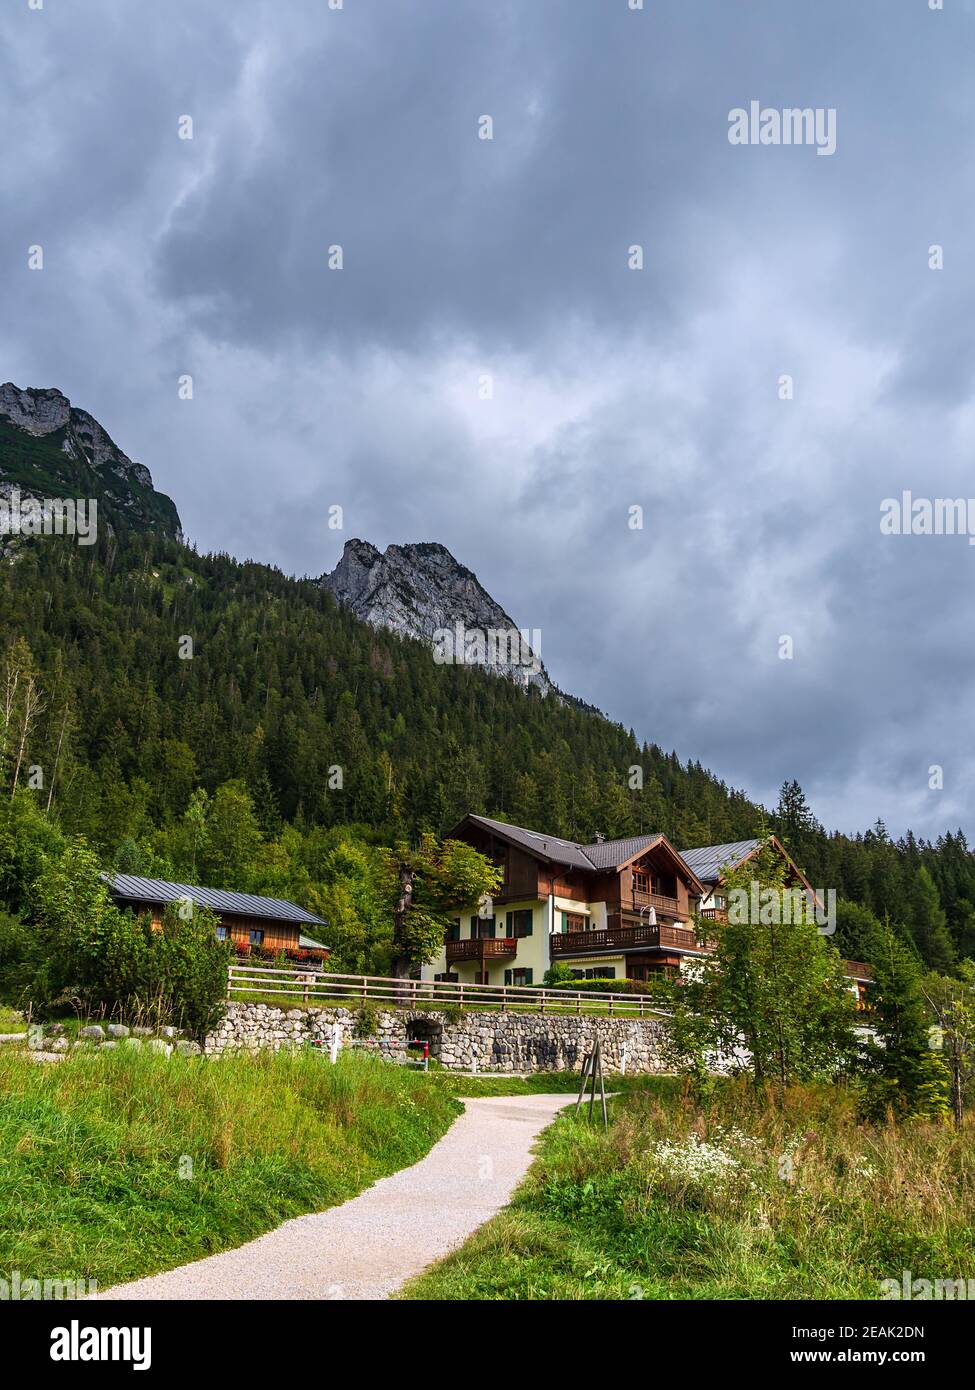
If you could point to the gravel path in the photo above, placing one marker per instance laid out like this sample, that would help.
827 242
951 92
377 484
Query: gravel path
370 1246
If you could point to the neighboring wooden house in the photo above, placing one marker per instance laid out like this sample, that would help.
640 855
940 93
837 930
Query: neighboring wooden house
265 924
613 909
712 863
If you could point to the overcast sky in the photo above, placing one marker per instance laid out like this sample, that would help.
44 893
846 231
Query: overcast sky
612 387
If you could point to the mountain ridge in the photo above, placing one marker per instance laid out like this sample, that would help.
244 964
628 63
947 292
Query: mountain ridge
421 590
50 448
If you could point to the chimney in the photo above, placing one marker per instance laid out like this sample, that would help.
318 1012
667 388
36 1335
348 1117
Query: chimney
600 837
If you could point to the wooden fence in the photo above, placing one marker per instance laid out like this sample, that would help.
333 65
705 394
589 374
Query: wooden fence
312 988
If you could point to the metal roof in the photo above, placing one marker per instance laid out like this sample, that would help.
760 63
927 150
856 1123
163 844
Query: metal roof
158 890
548 846
309 944
708 861
605 854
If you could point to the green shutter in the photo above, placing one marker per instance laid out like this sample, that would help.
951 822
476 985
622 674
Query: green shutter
528 977
507 974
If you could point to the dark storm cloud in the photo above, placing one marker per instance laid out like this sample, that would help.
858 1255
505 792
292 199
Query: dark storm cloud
612 388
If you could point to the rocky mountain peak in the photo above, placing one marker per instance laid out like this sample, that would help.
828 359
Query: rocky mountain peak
50 447
420 590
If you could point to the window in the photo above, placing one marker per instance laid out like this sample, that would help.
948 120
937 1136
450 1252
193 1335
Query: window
222 933
601 972
482 927
720 901
446 977
481 977
256 937
574 921
519 922
517 977
641 881
453 931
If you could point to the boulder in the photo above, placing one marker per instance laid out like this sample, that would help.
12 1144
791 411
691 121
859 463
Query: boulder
93 1030
117 1030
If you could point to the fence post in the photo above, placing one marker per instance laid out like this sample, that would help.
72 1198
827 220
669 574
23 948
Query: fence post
230 982
460 996
578 1002
336 1041
542 1005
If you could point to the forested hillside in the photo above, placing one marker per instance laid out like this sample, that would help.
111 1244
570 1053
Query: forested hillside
200 716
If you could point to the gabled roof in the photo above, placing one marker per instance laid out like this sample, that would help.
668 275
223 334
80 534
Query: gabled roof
159 890
603 855
708 861
610 854
549 847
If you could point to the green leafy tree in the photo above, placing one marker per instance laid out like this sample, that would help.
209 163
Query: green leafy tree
771 987
233 838
431 882
952 1004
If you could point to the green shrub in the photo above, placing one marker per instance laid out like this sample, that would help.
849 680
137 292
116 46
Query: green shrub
84 951
367 1021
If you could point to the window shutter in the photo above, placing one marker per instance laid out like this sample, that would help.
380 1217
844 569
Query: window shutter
528 977
507 973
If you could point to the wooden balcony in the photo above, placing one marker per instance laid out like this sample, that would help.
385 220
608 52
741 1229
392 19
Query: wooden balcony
482 948
659 901
714 914
857 970
617 938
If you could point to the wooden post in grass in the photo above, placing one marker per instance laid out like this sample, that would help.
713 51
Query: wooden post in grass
592 1069
598 1070
585 1073
336 1041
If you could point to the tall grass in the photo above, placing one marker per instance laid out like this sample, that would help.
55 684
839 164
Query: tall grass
743 1198
121 1164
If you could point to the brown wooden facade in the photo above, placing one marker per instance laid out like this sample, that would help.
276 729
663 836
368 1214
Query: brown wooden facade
265 933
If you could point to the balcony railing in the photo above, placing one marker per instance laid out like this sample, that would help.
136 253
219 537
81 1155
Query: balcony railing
660 901
482 947
649 938
714 914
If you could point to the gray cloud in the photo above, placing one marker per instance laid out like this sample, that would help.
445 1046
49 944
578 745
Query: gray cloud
612 387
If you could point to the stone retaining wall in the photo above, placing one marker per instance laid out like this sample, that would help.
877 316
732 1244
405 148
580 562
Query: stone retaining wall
499 1042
